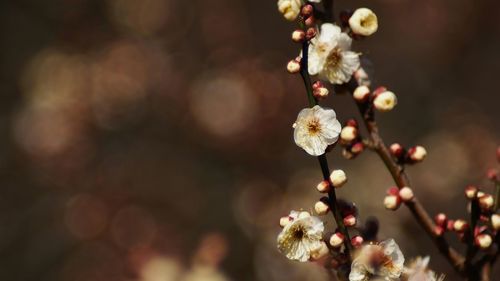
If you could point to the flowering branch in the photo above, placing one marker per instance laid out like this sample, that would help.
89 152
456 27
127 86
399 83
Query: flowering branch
401 179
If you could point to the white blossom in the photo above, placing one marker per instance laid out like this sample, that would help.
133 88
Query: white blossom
363 22
418 271
384 260
302 237
315 129
330 56
291 8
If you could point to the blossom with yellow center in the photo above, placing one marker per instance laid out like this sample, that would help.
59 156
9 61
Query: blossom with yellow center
315 129
363 22
384 260
302 237
330 56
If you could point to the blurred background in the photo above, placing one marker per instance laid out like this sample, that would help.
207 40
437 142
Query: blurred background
151 140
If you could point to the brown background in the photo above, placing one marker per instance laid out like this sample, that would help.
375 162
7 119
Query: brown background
151 140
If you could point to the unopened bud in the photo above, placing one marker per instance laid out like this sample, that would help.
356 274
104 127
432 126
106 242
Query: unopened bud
394 190
321 208
352 122
337 239
350 221
303 214
483 241
317 84
338 178
460 225
298 36
307 10
492 174
396 150
392 202
449 225
438 230
310 21
441 219
417 153
486 202
495 221
311 33
323 187
384 101
470 192
320 252
293 66
285 220
348 134
361 94
406 194
357 148
320 93
357 241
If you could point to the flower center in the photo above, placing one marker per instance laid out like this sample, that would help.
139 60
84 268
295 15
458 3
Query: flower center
334 58
313 126
378 259
298 233
367 21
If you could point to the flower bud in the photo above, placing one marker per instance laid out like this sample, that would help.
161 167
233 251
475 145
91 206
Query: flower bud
307 10
357 148
438 230
396 150
392 202
323 187
486 202
337 239
357 241
350 220
310 21
363 22
495 221
289 8
317 84
406 194
460 225
385 101
338 178
361 94
311 33
449 225
441 219
320 252
417 153
348 134
470 192
285 220
303 214
320 93
298 36
483 241
492 174
293 66
393 191
321 208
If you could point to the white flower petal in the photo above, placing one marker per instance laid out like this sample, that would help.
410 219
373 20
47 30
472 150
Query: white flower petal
358 272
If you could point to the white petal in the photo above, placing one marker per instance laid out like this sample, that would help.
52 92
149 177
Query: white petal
329 32
344 41
358 272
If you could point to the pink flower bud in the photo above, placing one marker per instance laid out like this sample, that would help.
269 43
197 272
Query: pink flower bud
298 36
396 150
486 202
321 208
357 148
441 219
483 241
352 122
323 187
317 84
350 221
394 190
293 66
348 134
310 21
406 194
336 239
470 192
379 90
460 225
307 10
338 178
320 93
361 94
392 202
417 154
311 33
357 241
449 225
492 174
438 230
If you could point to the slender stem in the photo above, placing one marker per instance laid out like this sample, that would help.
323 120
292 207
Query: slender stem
305 74
401 179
